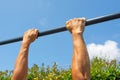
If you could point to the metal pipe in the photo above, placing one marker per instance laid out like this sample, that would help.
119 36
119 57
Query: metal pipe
88 22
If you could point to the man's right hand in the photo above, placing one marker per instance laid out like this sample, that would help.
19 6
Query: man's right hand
30 36
76 25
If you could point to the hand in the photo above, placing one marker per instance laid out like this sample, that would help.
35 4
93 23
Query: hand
76 25
30 36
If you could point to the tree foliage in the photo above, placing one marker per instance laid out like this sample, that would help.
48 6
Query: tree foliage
101 69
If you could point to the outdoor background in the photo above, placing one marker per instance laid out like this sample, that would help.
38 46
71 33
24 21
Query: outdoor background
17 16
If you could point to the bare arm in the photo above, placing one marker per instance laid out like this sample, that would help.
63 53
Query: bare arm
21 66
80 60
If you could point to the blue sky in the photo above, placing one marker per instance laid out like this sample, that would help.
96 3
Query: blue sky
17 16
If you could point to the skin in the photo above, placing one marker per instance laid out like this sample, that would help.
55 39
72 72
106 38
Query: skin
21 66
80 60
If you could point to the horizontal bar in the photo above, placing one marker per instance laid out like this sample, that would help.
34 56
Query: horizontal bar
88 22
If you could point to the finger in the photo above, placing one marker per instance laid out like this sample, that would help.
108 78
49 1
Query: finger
27 33
37 32
83 19
75 19
67 22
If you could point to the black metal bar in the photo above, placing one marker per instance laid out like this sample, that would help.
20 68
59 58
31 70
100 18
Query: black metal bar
88 22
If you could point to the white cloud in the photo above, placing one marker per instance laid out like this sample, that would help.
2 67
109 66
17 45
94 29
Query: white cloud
107 50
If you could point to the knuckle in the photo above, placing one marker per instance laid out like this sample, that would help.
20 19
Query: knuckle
83 18
67 22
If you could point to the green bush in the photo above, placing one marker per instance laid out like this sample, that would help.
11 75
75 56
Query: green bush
49 73
101 69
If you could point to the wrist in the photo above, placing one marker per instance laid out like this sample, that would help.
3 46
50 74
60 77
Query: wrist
76 31
74 34
25 44
77 36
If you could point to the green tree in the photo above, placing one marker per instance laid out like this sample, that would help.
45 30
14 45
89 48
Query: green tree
101 69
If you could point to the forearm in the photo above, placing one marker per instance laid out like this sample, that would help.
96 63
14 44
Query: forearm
80 62
21 66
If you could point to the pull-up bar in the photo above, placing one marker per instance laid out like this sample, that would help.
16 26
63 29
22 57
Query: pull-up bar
88 22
